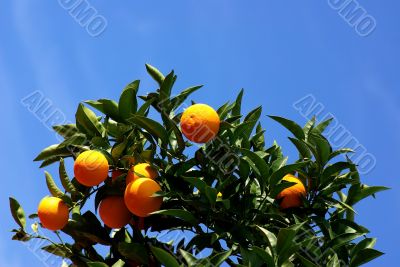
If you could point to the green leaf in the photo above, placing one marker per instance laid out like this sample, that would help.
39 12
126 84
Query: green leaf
106 106
322 146
87 122
286 244
364 256
151 126
360 191
180 98
65 181
342 240
269 237
189 258
259 165
320 128
334 261
218 259
134 251
127 102
301 147
340 151
118 149
308 127
58 250
164 257
256 257
365 243
17 212
155 74
51 185
53 151
279 174
251 119
181 214
305 262
236 110
96 264
144 108
291 126
66 130
165 91
119 263
331 170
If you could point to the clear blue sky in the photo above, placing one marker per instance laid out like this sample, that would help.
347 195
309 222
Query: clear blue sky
279 51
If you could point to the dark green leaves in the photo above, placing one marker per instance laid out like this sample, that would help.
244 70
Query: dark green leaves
181 214
164 257
151 126
17 212
291 126
359 191
106 106
286 243
364 256
87 122
127 105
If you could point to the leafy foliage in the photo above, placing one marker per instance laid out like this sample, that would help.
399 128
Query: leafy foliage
244 226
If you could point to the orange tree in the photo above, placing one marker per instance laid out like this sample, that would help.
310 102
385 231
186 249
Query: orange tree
236 197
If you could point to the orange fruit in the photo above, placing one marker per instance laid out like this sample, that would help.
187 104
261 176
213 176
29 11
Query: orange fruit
113 212
91 168
53 213
292 197
200 123
144 170
139 197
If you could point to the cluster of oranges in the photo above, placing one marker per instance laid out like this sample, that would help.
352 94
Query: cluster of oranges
199 123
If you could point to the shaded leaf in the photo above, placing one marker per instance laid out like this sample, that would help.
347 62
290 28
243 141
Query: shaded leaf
17 212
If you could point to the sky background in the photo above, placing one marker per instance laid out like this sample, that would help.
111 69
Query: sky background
279 51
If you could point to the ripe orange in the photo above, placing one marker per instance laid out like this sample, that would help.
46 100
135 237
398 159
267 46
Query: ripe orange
144 170
53 213
291 197
91 168
113 212
200 123
138 197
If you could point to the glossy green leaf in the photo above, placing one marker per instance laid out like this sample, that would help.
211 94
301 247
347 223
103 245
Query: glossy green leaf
358 192
155 74
106 106
87 121
236 110
291 126
364 256
218 259
127 105
151 126
189 258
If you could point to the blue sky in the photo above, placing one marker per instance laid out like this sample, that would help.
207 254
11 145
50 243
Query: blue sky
279 51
